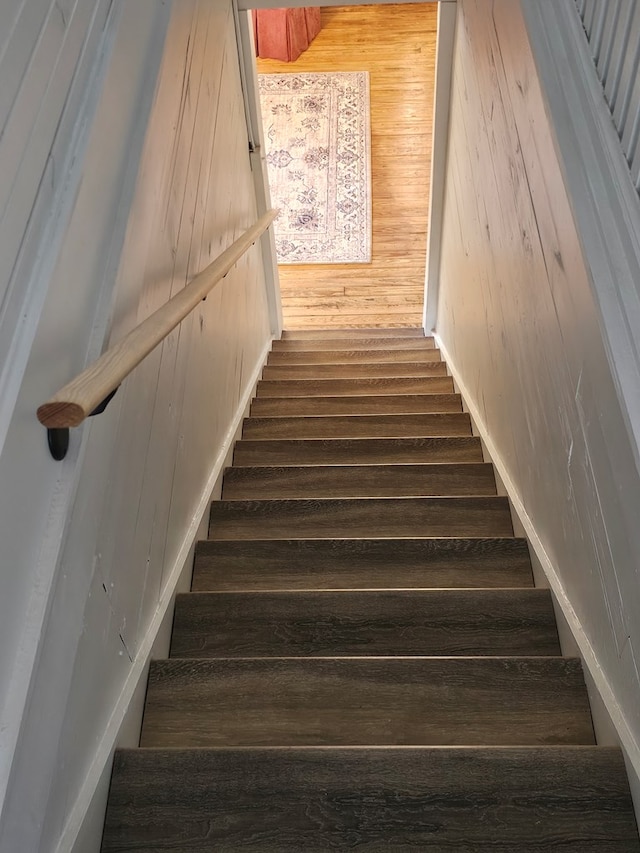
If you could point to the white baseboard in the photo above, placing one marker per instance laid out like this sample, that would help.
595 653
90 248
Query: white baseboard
594 671
83 830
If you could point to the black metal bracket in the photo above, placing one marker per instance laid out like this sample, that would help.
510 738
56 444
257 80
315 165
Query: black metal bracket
99 409
58 441
58 437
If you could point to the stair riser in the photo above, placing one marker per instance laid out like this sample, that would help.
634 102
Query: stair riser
353 371
346 334
382 518
364 426
311 624
354 345
358 481
354 387
366 701
362 564
344 357
328 406
573 799
352 452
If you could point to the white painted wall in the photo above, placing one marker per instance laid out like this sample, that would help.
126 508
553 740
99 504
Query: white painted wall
142 177
520 317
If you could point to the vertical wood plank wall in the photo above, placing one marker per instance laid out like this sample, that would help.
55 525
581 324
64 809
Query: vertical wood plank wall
613 32
397 45
518 319
94 544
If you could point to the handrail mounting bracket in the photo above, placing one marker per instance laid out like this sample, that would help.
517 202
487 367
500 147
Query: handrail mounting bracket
58 441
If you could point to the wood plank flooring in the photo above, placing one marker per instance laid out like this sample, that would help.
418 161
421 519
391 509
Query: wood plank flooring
397 45
330 563
573 799
439 622
397 701
363 661
351 451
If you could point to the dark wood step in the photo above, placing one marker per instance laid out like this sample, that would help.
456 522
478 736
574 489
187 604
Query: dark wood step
361 564
383 622
342 357
359 426
351 451
527 800
352 481
286 407
340 334
354 387
502 701
409 370
353 344
360 517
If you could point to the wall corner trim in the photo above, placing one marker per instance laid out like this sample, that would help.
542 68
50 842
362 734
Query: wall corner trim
627 740
109 740
447 16
253 117
604 201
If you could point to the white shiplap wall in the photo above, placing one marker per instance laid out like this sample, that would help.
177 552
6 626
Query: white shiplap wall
612 28
156 182
521 324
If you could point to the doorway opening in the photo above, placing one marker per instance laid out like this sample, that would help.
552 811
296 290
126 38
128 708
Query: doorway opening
396 44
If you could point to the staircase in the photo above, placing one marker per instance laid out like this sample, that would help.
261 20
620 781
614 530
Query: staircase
363 662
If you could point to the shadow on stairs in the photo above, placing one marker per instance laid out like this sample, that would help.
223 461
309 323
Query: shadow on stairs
364 662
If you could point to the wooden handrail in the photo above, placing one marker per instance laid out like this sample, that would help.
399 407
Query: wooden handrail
75 402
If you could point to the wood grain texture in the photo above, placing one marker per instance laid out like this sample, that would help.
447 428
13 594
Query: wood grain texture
363 517
361 564
344 357
345 481
574 799
341 334
69 406
396 44
353 387
360 701
350 451
359 426
353 343
363 404
355 370
389 622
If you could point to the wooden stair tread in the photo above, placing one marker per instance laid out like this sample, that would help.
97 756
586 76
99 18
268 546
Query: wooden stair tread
383 622
363 386
411 425
361 563
530 800
313 356
329 481
379 369
351 451
285 407
345 517
353 344
341 334
359 701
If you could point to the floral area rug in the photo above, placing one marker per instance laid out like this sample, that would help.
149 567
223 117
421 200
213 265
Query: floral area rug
317 139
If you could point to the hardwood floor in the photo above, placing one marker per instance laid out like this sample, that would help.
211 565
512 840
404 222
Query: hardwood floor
396 44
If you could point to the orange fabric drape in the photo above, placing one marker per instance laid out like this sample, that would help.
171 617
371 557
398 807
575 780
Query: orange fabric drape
285 33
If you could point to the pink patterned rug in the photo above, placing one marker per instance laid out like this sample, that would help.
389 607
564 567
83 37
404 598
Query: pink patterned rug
317 138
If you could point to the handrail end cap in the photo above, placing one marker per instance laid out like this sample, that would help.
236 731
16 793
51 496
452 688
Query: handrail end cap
59 414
